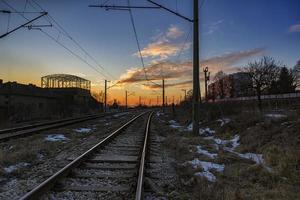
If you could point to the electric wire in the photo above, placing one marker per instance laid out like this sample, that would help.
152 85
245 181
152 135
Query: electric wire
62 45
76 42
138 45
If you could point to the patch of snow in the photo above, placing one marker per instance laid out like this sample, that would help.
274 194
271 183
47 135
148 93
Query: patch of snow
206 166
223 121
13 168
174 124
56 137
276 116
82 130
206 132
189 127
120 114
208 175
196 163
159 113
40 156
200 150
257 158
235 141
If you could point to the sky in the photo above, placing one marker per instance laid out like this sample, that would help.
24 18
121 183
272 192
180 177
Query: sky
232 33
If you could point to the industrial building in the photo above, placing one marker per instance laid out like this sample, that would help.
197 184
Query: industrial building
60 95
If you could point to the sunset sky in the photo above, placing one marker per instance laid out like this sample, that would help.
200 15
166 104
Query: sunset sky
232 33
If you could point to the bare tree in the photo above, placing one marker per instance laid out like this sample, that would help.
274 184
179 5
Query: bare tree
262 73
296 74
219 81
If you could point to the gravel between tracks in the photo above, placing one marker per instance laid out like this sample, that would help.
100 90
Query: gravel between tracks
46 157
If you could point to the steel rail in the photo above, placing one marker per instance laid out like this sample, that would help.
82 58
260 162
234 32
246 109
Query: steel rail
9 130
140 183
7 134
47 184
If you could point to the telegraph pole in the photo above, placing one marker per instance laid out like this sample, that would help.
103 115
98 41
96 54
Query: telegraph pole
157 101
206 79
105 94
196 82
184 90
140 100
126 99
166 100
163 94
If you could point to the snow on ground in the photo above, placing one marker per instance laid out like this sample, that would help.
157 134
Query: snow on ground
233 144
208 175
56 137
82 130
203 151
13 168
120 114
223 121
159 113
206 132
277 116
206 166
174 124
189 127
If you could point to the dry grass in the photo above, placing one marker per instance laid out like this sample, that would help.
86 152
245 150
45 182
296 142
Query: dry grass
277 139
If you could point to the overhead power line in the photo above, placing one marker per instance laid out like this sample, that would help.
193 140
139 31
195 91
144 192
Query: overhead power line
61 29
54 39
138 44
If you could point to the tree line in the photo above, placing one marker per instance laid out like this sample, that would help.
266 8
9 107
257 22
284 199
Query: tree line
267 76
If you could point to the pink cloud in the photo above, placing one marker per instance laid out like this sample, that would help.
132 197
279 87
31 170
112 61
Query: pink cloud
294 28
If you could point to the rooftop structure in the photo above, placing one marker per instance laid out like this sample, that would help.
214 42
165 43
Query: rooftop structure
65 81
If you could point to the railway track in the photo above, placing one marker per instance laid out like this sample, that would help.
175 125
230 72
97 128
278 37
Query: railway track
112 169
6 134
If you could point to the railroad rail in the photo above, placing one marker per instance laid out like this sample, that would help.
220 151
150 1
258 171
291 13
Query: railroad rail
114 166
6 134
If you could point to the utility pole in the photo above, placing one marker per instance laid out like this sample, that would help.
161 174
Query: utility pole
166 100
196 82
105 94
184 90
163 94
126 99
140 101
206 79
173 99
157 101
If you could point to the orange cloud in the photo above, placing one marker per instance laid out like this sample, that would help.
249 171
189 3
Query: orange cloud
163 44
174 32
183 70
160 49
